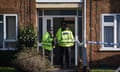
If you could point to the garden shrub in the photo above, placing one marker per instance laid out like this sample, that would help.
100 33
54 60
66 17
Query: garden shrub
27 36
29 60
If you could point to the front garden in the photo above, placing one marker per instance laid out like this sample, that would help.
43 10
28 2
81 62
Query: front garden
27 58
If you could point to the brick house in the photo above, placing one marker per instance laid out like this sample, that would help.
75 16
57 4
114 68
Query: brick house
13 14
103 25
99 23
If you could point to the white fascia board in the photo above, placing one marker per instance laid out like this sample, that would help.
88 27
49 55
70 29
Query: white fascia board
49 1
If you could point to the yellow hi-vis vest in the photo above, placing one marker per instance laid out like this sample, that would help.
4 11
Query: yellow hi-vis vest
67 39
47 42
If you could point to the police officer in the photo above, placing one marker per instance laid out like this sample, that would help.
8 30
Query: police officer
65 42
48 44
47 41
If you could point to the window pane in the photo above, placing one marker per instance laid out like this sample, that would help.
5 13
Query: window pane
108 18
118 30
48 24
108 35
10 44
80 12
39 12
1 31
80 29
56 24
60 12
1 35
10 27
1 17
40 29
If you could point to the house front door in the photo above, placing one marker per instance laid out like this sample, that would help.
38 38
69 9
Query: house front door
52 19
54 23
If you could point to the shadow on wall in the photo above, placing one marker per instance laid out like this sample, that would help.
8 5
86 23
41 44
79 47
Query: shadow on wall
108 62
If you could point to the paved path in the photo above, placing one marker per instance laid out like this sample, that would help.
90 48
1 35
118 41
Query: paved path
63 70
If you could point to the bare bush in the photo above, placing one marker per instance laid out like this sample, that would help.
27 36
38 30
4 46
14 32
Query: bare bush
30 60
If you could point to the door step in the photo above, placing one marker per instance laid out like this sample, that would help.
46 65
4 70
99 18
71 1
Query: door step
73 69
63 70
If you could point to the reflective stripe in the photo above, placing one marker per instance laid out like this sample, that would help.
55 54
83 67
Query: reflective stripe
67 39
47 46
66 44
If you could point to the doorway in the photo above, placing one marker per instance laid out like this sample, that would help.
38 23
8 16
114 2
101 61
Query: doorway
52 19
54 23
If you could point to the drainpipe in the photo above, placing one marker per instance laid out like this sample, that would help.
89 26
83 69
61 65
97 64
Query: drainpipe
84 23
84 53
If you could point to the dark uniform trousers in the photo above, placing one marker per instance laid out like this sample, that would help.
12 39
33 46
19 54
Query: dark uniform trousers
66 57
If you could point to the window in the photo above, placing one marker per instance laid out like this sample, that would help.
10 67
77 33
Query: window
60 12
111 32
1 31
10 27
8 31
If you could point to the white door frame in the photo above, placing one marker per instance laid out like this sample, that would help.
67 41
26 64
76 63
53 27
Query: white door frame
45 18
45 30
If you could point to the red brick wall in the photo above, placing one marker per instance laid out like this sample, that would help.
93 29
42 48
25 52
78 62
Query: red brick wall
25 9
94 11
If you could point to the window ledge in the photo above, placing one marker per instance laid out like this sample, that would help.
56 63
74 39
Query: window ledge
109 49
6 49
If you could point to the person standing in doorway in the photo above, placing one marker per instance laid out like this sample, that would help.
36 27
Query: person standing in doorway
65 41
48 42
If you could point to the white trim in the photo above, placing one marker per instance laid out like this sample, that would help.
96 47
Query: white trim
4 49
109 49
5 15
4 32
85 45
59 1
102 33
76 38
115 30
112 24
57 5
84 50
10 40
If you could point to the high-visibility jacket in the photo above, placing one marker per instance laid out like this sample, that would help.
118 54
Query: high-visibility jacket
58 34
47 41
67 39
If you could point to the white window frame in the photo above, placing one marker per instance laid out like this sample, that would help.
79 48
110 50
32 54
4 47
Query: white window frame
4 33
112 24
11 40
